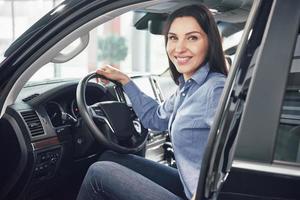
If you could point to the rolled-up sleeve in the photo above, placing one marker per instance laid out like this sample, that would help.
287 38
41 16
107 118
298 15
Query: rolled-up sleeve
153 115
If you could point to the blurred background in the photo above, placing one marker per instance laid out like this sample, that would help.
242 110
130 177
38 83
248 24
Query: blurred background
116 42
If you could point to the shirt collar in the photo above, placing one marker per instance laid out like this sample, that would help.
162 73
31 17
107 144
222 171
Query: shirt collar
199 76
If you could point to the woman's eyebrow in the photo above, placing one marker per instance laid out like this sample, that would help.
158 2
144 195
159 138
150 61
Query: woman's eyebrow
189 33
192 32
170 33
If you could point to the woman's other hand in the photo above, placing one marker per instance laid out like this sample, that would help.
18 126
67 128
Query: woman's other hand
113 74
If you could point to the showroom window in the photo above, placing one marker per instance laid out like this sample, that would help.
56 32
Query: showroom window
118 43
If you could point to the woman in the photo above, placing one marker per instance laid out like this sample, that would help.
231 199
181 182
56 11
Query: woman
197 65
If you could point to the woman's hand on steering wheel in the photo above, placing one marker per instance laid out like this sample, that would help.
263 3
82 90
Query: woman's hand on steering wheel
112 73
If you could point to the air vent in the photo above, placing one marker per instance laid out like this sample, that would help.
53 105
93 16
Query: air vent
30 97
33 123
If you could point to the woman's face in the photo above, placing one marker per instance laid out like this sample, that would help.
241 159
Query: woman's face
187 45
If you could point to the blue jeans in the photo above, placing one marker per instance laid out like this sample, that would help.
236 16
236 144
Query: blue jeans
130 177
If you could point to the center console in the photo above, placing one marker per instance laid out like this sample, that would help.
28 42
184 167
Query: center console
47 161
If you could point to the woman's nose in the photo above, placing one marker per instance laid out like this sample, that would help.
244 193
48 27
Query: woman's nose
180 46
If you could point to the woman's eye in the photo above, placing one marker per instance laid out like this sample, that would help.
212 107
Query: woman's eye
172 37
192 38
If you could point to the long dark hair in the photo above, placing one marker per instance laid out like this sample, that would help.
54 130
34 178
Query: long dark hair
215 56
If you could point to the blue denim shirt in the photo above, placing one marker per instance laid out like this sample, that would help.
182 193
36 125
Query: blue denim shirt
188 115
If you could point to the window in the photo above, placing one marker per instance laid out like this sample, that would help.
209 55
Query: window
116 42
288 136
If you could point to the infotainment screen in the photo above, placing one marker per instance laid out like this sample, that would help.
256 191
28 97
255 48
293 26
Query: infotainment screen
145 86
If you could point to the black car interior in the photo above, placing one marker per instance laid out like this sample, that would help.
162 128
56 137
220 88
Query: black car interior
62 143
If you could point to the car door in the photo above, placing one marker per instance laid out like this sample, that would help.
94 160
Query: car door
257 122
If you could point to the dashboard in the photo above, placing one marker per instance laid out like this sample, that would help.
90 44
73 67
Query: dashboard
43 135
46 132
63 110
55 104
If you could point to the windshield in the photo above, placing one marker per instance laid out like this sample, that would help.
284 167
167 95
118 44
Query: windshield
116 42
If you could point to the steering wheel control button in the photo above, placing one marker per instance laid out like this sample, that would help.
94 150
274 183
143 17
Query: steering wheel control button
79 140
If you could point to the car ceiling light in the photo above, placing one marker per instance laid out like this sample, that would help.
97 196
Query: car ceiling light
58 9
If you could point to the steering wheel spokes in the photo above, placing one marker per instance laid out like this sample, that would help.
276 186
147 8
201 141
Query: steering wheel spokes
97 113
124 134
117 116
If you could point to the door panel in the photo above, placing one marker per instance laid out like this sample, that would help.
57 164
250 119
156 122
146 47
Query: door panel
255 185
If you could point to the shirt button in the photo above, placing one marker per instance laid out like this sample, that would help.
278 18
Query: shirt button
183 94
189 81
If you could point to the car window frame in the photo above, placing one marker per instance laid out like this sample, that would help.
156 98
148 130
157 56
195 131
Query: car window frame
247 142
271 60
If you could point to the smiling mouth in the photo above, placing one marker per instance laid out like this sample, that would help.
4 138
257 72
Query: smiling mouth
182 60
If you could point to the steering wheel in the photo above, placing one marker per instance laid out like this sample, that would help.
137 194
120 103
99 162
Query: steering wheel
112 123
